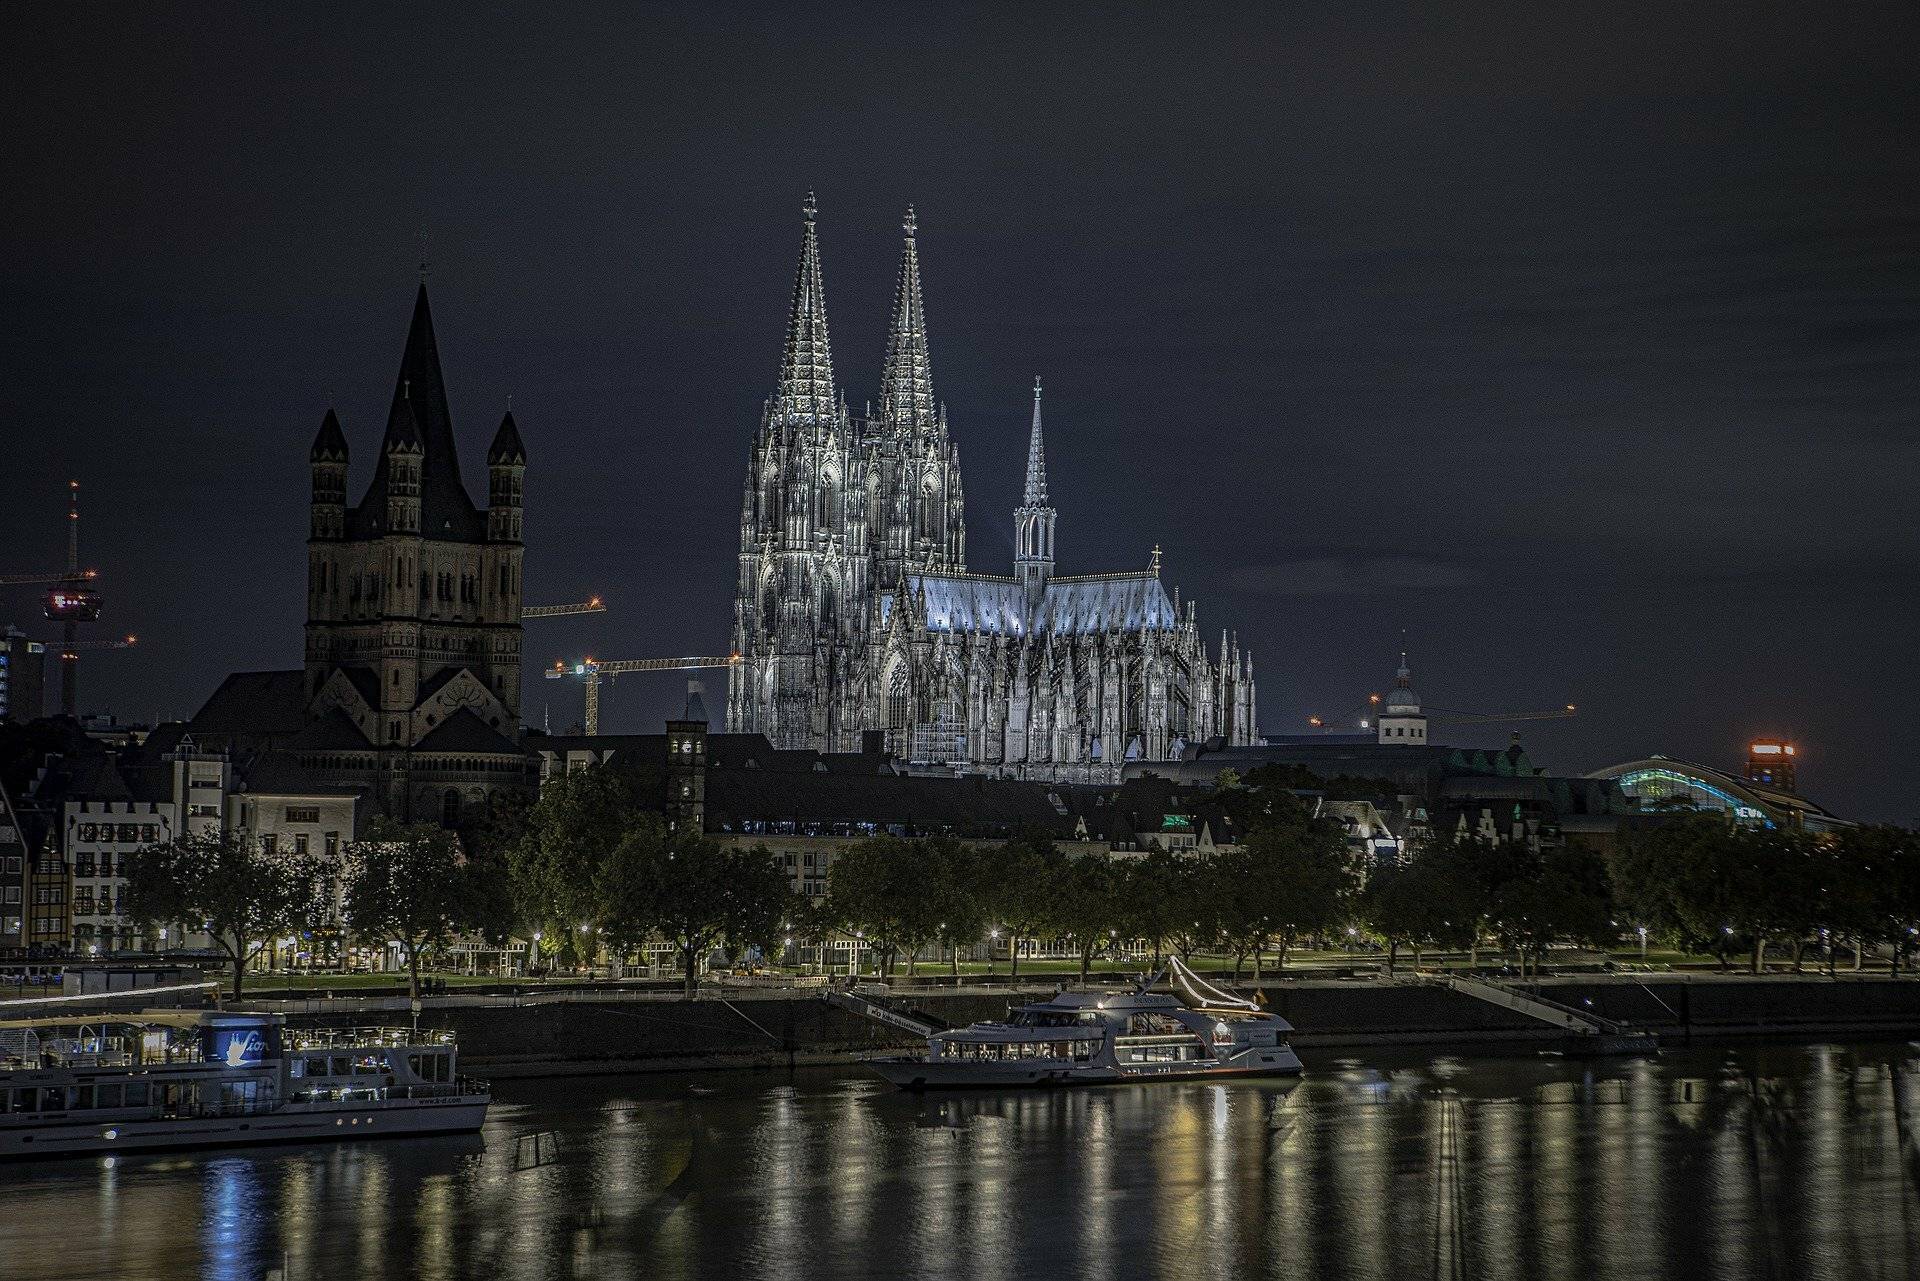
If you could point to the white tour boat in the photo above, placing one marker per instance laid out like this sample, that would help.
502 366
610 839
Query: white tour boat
1093 1038
195 1078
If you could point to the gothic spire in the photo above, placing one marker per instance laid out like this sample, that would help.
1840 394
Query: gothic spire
906 379
1036 492
804 393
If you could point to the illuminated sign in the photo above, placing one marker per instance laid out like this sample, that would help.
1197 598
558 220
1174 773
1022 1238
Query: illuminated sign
237 1046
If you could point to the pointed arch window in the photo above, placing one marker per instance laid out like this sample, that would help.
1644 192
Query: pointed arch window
899 700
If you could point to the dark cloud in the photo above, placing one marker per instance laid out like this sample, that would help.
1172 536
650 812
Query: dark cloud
1376 576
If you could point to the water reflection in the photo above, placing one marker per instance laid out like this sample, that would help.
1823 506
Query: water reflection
1783 1161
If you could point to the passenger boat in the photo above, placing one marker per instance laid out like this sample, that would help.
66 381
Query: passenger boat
1093 1038
196 1078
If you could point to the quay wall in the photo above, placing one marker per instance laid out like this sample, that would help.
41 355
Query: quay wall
537 1036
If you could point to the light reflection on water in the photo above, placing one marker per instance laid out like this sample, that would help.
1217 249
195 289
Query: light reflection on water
1711 1162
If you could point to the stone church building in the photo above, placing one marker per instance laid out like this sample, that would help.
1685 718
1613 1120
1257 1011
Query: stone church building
410 691
856 611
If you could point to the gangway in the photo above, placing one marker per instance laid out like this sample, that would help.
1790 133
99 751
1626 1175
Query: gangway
870 1008
1589 1033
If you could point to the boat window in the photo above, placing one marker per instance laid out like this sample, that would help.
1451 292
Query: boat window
370 1065
136 1094
342 1066
85 1096
1153 1025
108 1096
316 1067
26 1100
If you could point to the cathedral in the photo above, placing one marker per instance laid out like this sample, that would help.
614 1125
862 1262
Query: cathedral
856 611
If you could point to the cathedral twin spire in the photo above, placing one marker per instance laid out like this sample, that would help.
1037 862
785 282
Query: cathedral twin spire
805 393
906 380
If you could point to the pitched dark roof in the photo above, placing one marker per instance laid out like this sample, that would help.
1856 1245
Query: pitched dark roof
738 799
280 772
506 449
253 704
465 732
329 443
334 732
96 778
420 406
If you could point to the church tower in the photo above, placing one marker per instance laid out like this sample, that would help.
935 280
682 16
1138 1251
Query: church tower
803 540
413 607
912 465
1033 519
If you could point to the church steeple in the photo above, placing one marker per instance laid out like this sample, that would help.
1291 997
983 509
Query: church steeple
1033 519
1036 491
804 393
419 411
906 379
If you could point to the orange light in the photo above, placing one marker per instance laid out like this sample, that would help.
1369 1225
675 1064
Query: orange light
1315 721
594 601
133 640
1570 707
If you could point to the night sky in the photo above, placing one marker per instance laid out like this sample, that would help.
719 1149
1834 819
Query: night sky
1583 348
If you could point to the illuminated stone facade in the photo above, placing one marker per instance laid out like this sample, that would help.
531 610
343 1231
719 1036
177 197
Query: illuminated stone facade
855 610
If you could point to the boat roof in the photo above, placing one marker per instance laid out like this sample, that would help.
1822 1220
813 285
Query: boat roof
146 1018
1106 1001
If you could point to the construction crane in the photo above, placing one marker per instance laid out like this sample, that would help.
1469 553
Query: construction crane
593 671
1447 716
52 576
72 599
592 606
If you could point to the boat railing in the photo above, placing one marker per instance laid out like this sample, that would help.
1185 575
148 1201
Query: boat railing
347 1038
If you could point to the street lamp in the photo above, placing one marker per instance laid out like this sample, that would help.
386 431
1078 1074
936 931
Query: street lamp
993 936
1643 945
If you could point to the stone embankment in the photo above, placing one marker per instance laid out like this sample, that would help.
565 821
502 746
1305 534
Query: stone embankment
589 1031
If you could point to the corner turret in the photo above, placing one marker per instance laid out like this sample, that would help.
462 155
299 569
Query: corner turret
506 471
328 459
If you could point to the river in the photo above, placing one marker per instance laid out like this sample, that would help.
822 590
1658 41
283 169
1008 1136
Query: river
1726 1161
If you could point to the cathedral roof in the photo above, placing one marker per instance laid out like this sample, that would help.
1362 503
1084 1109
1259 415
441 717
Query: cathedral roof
804 393
1069 606
420 407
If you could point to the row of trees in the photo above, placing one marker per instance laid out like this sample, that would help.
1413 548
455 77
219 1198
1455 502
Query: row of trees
1708 886
587 869
1291 880
407 884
